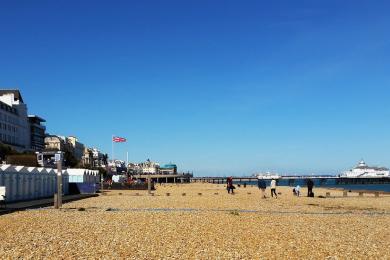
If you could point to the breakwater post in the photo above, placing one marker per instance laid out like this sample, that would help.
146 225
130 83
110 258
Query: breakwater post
149 185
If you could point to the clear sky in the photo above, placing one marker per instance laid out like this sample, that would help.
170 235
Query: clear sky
219 87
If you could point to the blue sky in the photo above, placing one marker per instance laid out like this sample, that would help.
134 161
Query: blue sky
218 87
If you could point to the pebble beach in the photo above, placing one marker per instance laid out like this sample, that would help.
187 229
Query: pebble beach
202 221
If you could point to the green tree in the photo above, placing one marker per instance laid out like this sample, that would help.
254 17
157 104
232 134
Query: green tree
102 171
70 160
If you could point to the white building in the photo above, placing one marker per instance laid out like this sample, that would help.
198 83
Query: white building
76 147
147 167
14 122
150 167
55 143
362 170
98 158
93 157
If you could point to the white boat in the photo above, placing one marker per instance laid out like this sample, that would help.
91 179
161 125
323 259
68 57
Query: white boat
268 176
362 170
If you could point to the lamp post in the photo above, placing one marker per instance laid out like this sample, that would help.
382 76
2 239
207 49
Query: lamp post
58 196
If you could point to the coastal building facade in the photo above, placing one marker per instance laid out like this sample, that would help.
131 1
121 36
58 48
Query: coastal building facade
55 143
77 148
86 157
168 169
147 167
24 132
14 122
37 132
362 170
152 168
99 159
93 157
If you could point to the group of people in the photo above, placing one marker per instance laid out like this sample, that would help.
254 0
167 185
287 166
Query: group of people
263 186
296 190
310 185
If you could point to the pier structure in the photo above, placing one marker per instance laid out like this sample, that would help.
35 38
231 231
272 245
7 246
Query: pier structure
298 180
251 178
165 178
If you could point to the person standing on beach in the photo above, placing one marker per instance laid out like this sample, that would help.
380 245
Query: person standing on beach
229 185
262 186
273 188
310 185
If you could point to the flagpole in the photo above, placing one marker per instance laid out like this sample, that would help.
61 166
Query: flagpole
127 159
112 148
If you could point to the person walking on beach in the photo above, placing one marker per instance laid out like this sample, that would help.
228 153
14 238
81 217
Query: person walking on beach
229 185
262 186
273 188
310 185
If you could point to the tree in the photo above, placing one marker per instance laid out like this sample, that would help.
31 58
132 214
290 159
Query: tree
102 171
91 159
6 150
70 160
105 159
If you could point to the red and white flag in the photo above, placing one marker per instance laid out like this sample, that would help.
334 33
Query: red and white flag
118 139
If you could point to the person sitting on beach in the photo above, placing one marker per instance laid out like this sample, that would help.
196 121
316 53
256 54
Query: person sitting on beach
262 186
229 185
297 190
273 188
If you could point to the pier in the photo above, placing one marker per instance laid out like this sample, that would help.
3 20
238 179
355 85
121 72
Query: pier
166 178
298 180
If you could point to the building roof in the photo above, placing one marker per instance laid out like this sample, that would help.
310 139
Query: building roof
168 166
372 168
16 93
363 166
37 118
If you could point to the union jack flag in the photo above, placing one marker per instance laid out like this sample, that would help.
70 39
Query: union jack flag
117 139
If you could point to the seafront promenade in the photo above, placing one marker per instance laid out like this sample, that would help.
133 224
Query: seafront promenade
202 221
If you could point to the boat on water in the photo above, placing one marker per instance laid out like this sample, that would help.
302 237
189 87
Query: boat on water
267 176
362 170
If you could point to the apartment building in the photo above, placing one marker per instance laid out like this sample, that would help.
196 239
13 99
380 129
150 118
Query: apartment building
14 122
37 130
